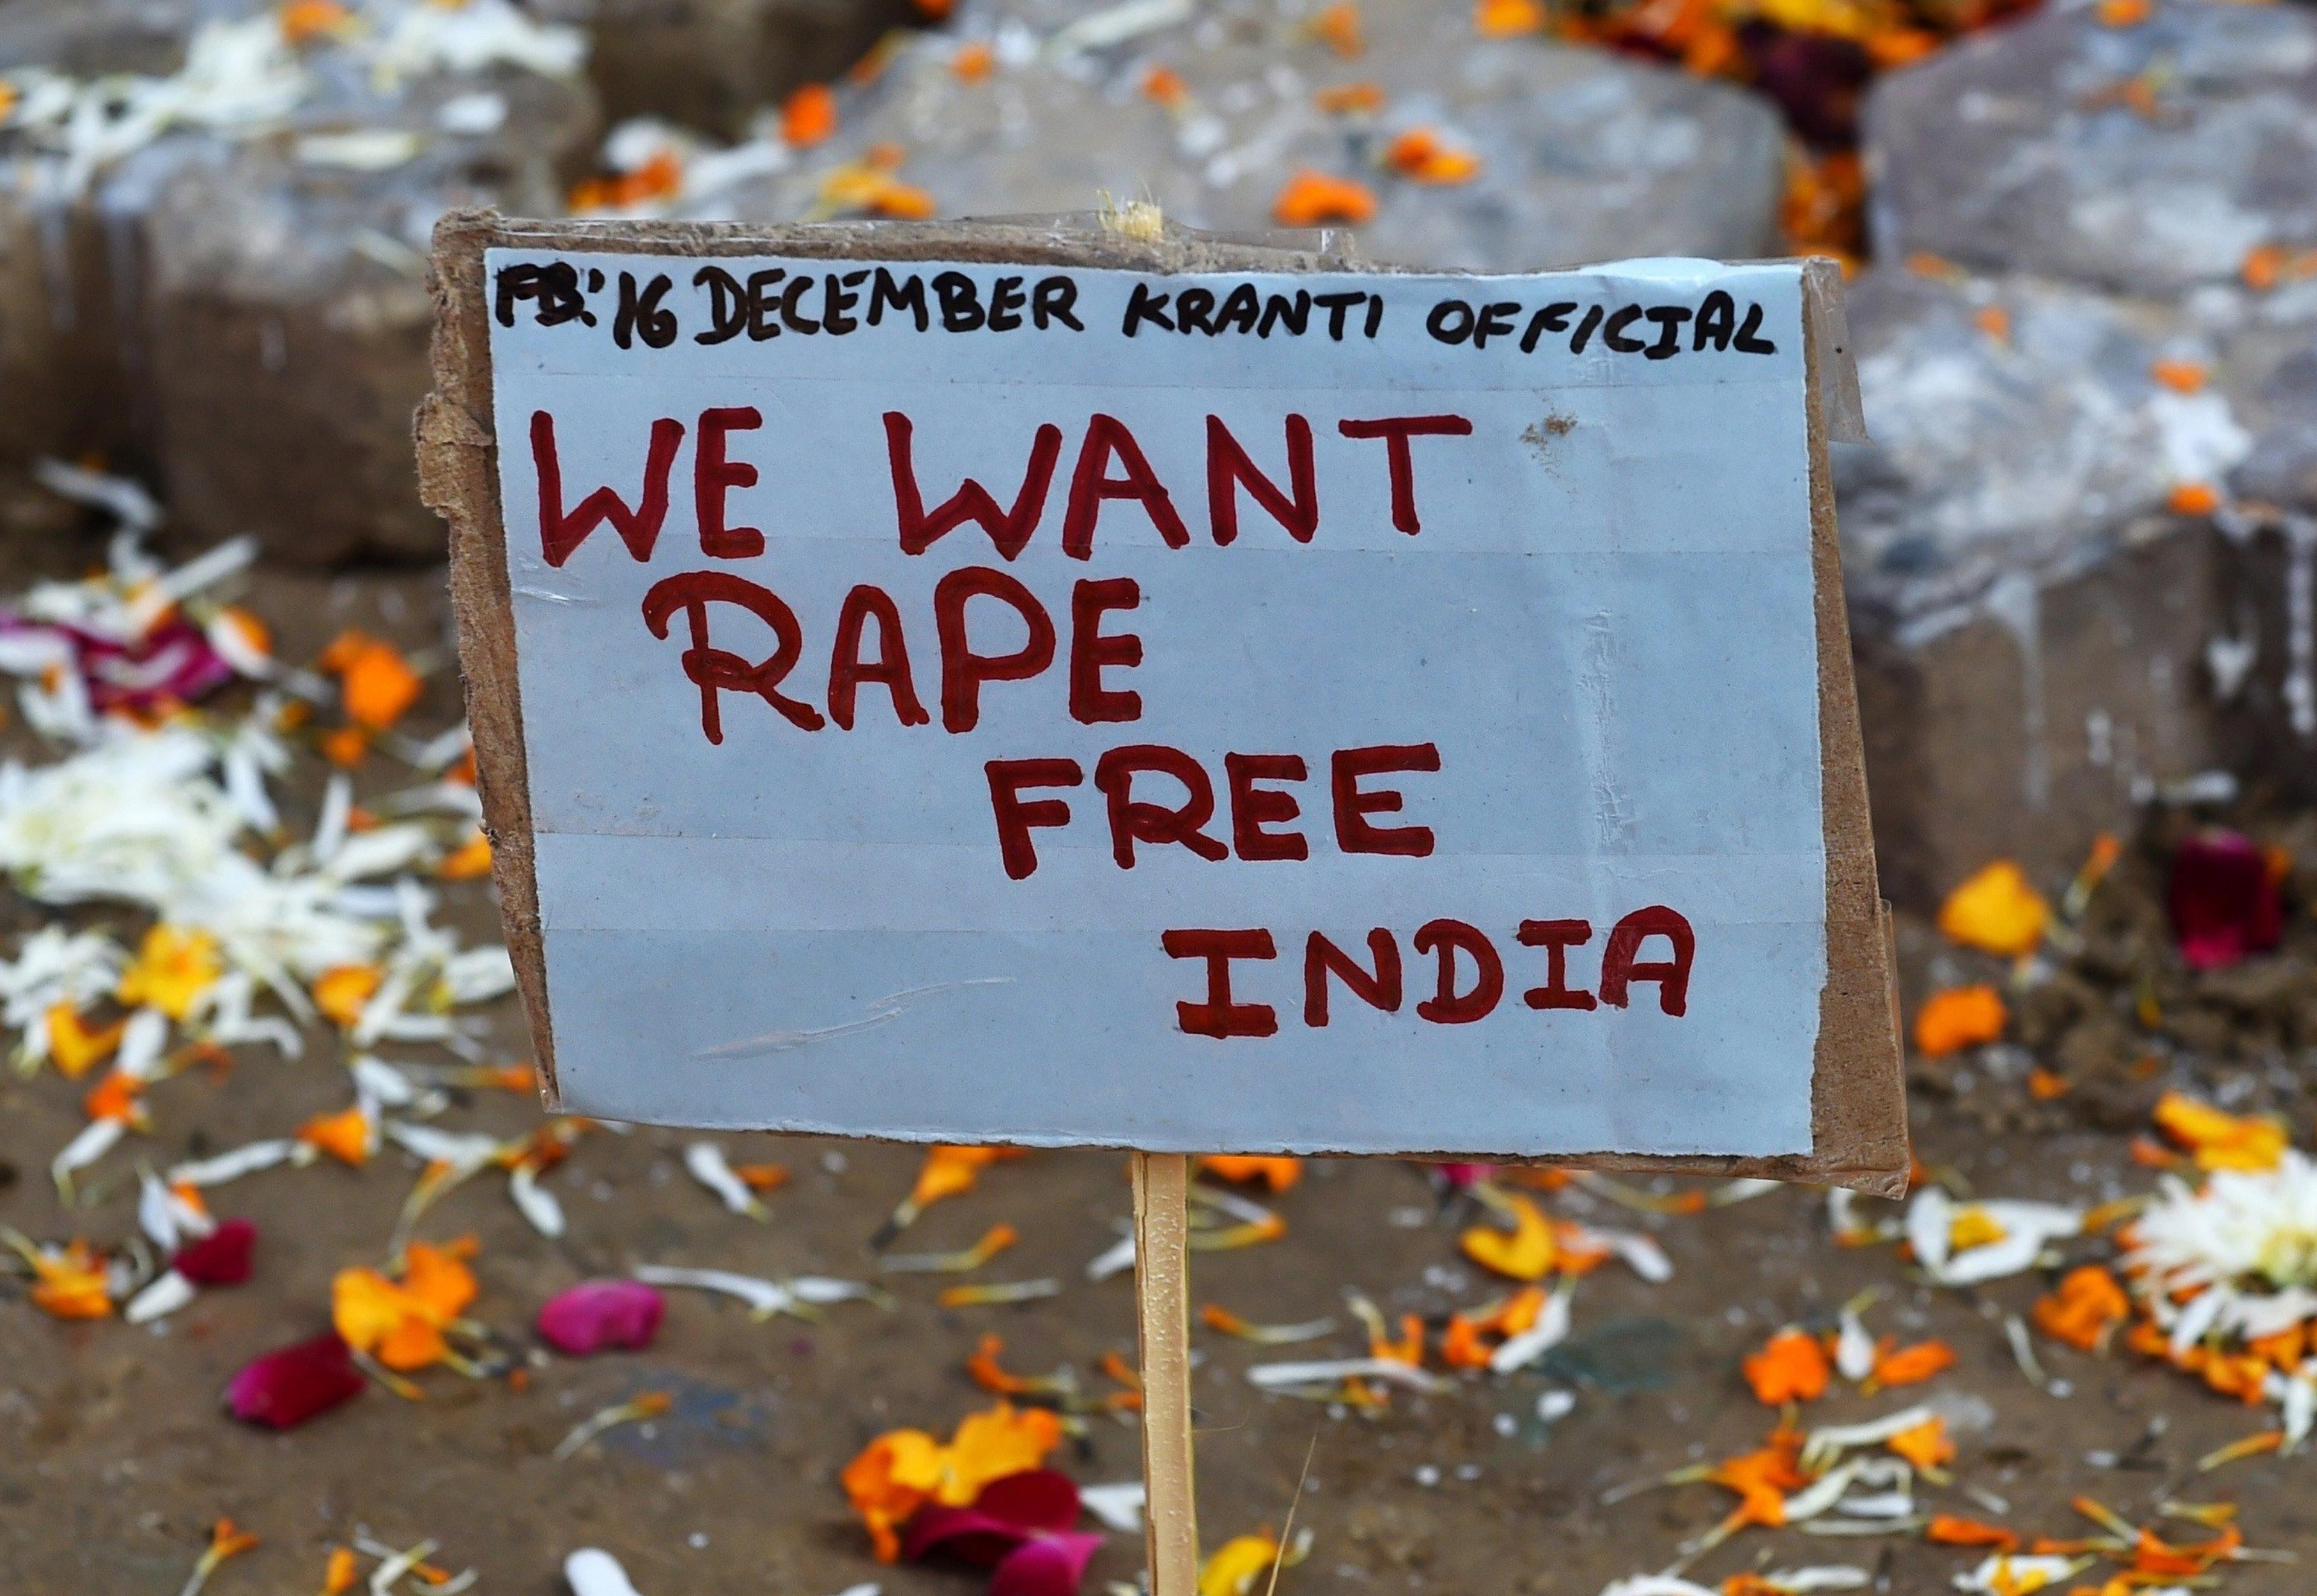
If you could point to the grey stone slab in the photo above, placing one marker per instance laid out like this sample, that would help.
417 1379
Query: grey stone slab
2042 639
2148 160
1586 156
286 309
713 64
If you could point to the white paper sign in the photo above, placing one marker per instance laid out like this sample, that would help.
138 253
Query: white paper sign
1366 713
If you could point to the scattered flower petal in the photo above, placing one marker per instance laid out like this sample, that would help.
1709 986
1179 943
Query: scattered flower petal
595 1315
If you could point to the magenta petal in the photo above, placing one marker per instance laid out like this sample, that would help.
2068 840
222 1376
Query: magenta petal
174 660
282 1390
596 1314
2224 900
221 1258
1460 1176
1046 1565
1008 1512
1034 1499
965 1534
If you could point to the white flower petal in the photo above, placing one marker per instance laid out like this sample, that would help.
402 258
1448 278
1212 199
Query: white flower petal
1551 1329
537 1204
163 1297
705 1163
592 1573
246 1159
1119 1507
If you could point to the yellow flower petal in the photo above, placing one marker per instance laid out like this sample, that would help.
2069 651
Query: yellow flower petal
341 992
1527 1253
76 1047
1236 1564
469 860
990 1445
1995 911
173 968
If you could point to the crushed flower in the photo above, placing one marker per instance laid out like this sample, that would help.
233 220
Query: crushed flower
401 1322
902 1470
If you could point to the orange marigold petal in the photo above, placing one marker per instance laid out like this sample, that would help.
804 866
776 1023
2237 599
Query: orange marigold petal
1313 199
1951 1530
1962 1016
1910 1365
1791 1366
808 116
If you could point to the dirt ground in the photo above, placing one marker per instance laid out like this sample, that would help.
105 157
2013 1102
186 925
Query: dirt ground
115 1454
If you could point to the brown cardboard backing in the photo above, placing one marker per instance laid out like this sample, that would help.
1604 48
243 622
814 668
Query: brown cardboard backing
1858 1104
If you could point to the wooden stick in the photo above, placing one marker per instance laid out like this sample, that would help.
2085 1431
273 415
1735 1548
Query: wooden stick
1162 1291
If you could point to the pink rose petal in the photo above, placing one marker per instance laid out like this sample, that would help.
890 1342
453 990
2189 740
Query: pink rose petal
1044 1566
2225 901
221 1258
282 1390
597 1314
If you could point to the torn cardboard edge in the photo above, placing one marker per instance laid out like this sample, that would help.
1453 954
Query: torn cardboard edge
1857 1095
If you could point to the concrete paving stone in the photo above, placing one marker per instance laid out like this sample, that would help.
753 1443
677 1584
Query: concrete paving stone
713 64
1583 156
2147 158
2046 628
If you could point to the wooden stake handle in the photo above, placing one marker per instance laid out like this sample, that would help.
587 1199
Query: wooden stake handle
1162 1289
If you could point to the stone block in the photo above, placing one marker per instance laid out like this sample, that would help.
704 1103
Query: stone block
2047 628
713 64
1583 156
68 342
289 320
2147 158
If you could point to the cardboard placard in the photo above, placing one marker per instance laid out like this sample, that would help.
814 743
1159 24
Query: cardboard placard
1357 712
